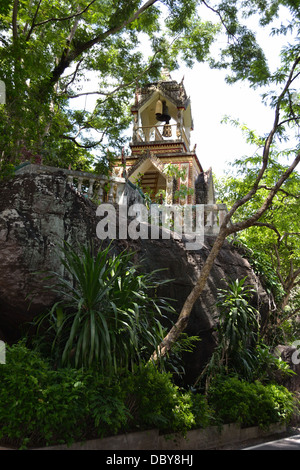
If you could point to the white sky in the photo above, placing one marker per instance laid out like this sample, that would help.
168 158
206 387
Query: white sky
212 98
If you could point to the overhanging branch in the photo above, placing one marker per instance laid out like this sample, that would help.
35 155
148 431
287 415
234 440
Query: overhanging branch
69 56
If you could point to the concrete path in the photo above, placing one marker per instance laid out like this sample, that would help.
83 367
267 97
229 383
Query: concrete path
288 443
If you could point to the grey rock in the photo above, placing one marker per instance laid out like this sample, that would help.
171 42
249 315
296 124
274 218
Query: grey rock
38 212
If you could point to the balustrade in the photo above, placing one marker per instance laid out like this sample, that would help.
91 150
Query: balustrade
155 133
98 188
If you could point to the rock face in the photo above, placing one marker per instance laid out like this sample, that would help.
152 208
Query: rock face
36 215
184 267
38 212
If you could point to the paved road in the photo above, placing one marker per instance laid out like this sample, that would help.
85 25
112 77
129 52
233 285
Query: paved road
288 443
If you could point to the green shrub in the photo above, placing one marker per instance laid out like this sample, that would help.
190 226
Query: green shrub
154 401
31 401
110 315
250 404
7 170
106 407
40 406
240 350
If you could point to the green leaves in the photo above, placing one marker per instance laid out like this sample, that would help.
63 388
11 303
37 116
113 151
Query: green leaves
273 243
55 44
238 332
239 321
250 404
109 316
245 59
42 406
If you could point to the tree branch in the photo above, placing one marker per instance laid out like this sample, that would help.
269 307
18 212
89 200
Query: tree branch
87 146
227 229
87 45
33 21
278 266
286 234
67 59
73 75
221 19
270 226
14 19
237 227
119 87
295 118
65 18
266 150
264 186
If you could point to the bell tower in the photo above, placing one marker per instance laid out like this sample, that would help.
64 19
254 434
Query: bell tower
162 126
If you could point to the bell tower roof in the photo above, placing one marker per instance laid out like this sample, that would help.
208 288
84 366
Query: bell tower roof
169 89
158 102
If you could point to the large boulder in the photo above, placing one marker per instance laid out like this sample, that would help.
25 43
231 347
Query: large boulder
39 211
184 268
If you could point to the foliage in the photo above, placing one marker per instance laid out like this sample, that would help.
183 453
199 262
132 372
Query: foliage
280 224
237 330
272 244
174 361
7 170
173 171
268 367
50 51
250 404
59 406
262 266
110 314
154 401
41 406
239 321
240 349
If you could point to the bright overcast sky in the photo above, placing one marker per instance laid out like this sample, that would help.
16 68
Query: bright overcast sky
212 99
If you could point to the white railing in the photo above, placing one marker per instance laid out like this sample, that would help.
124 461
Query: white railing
98 188
155 134
203 219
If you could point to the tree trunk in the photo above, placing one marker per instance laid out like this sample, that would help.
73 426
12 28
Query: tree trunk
225 230
183 318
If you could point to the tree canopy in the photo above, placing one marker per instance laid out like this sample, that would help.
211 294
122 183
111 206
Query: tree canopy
48 51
